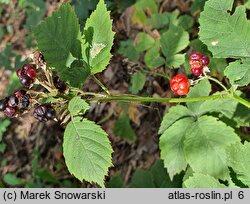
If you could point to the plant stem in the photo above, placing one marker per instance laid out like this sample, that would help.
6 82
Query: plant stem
156 74
241 100
160 100
218 82
101 85
83 93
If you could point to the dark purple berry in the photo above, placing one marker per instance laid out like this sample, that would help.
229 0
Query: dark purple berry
197 71
3 103
59 84
13 101
25 101
44 112
50 113
9 112
25 80
205 60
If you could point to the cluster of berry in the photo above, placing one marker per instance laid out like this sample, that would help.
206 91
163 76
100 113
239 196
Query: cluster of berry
16 103
179 84
20 101
197 61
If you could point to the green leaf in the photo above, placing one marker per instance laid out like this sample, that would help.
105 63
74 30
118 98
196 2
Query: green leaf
123 128
77 105
87 150
228 108
83 8
12 180
238 73
225 35
15 84
60 44
143 42
35 10
142 179
155 177
204 146
203 88
172 42
137 82
174 113
186 22
116 181
4 123
161 178
172 146
202 181
158 20
98 39
239 160
75 75
152 57
142 9
2 147
5 57
128 50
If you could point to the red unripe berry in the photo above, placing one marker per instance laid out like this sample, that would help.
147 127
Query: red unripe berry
196 71
26 67
205 60
9 111
19 72
195 64
31 73
19 93
195 56
179 84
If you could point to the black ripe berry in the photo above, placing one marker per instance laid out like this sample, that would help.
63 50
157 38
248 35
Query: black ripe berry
3 103
50 113
44 112
13 101
25 101
9 111
25 80
59 84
